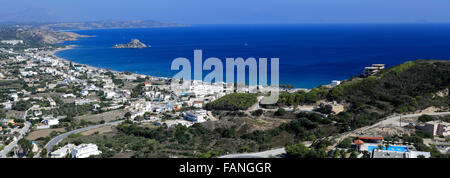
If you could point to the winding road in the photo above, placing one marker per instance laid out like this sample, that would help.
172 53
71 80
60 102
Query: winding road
394 119
391 120
49 146
23 131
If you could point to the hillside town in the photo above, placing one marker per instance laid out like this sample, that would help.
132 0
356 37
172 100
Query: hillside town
50 92
47 101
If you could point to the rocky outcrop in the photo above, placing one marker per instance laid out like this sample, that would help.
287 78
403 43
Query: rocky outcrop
36 36
134 43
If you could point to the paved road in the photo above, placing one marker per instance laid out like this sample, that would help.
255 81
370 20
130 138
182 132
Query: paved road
22 133
265 154
58 138
391 120
388 121
394 120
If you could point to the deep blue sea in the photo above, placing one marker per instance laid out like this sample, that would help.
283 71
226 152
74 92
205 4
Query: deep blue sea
310 55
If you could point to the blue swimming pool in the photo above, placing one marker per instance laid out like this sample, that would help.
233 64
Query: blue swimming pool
391 148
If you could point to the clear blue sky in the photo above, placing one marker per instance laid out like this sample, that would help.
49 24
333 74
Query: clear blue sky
233 11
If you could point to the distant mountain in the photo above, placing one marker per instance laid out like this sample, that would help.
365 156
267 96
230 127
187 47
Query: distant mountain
107 24
30 15
44 19
37 37
52 33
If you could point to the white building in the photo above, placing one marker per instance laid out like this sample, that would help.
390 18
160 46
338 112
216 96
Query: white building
140 107
197 104
63 151
12 42
70 95
50 122
15 96
195 116
85 150
415 154
83 101
109 94
84 92
37 113
335 83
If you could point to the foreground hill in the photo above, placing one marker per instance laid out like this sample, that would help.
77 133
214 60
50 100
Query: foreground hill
408 87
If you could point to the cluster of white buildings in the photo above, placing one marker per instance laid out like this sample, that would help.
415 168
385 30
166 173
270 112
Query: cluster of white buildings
139 108
195 116
12 42
85 150
395 154
80 151
48 121
374 69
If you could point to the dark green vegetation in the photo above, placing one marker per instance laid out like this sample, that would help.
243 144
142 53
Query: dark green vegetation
26 147
195 141
426 118
305 127
233 102
299 150
302 97
403 88
22 105
200 141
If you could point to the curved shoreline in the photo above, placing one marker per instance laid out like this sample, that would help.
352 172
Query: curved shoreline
69 47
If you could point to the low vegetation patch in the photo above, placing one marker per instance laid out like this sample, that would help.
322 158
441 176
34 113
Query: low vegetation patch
233 102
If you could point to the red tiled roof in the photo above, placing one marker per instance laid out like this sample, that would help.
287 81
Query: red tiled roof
358 142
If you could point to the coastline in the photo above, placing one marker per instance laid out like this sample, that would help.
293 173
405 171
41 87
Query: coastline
69 47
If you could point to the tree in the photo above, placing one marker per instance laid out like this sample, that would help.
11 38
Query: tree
233 102
353 155
426 118
11 153
127 115
325 109
244 148
366 154
22 105
44 153
258 112
298 150
280 112
346 143
25 145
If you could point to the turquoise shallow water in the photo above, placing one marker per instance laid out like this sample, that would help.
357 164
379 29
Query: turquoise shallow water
310 55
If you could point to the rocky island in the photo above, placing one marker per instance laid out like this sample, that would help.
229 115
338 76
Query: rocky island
134 43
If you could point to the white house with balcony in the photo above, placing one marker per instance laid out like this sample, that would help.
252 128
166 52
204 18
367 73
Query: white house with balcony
85 150
195 116
63 151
